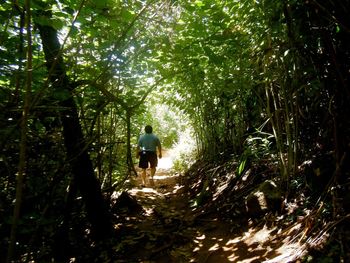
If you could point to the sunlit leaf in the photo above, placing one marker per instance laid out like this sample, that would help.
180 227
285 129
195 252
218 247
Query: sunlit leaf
127 15
199 3
57 23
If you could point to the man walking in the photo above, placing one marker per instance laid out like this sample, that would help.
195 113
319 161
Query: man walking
147 152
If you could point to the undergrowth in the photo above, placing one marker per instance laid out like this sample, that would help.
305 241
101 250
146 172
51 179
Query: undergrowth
222 187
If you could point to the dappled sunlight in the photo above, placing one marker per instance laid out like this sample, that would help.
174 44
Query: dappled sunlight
258 235
146 191
177 188
215 247
209 239
159 190
148 211
164 176
164 184
254 245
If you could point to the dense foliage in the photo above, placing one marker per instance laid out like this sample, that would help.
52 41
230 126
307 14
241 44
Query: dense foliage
79 80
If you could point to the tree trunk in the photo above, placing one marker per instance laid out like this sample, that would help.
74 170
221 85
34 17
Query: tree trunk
129 160
23 125
77 154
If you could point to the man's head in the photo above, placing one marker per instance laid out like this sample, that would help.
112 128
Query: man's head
148 129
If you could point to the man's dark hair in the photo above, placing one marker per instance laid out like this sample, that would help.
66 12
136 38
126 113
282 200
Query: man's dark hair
148 129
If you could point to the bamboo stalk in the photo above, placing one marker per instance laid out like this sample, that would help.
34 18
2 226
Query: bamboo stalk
23 141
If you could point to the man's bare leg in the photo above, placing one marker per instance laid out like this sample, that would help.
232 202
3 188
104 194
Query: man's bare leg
153 171
143 177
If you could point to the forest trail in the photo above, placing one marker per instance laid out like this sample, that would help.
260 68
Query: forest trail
168 229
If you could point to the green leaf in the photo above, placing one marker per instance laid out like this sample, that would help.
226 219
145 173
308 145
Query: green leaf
57 23
127 15
286 52
337 29
199 3
241 167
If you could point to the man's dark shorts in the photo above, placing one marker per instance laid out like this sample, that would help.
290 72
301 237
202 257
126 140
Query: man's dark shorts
148 157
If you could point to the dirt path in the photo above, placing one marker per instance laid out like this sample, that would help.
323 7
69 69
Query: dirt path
167 229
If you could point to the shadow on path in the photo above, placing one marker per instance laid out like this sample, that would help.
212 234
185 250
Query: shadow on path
168 229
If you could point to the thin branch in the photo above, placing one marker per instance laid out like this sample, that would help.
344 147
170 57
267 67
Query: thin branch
23 143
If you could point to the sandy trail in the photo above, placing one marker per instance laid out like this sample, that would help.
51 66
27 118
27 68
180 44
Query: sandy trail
170 230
